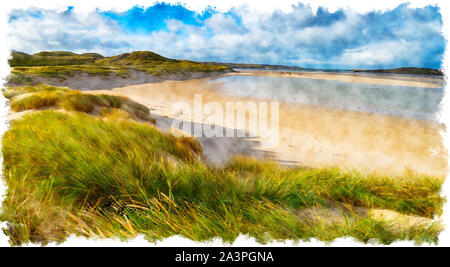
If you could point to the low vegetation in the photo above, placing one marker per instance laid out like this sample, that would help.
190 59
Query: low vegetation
56 58
45 96
63 65
63 72
407 70
10 92
108 176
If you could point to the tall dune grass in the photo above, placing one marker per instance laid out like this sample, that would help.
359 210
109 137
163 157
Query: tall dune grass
73 173
109 176
45 96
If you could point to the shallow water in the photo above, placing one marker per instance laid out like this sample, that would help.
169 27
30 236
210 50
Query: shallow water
405 101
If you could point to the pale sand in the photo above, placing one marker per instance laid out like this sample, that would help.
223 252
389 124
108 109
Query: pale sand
310 136
347 77
343 214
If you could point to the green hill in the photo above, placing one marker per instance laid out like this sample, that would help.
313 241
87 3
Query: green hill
407 70
56 58
62 65
135 58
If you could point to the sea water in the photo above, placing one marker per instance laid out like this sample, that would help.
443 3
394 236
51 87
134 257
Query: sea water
405 101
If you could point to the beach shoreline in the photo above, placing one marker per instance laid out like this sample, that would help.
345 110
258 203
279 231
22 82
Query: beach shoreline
310 136
364 78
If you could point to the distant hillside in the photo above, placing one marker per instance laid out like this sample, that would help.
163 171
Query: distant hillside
135 58
94 71
262 66
407 70
258 66
58 66
404 70
56 58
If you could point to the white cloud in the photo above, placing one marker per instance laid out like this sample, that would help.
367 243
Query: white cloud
221 23
382 53
297 37
80 33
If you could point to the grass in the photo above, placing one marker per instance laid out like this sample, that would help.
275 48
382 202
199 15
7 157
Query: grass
158 65
10 92
73 173
66 71
45 96
56 58
63 65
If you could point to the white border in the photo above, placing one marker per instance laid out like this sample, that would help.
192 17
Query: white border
222 5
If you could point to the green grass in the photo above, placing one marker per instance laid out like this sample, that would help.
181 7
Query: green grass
10 92
157 65
56 58
36 100
45 96
73 173
63 65
409 194
67 71
135 58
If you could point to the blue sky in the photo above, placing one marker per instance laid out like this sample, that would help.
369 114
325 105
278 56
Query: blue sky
319 38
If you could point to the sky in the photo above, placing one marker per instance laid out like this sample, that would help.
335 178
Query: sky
302 36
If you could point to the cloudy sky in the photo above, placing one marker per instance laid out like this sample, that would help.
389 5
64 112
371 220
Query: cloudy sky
302 36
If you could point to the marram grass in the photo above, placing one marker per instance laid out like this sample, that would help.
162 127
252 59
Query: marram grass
45 96
99 176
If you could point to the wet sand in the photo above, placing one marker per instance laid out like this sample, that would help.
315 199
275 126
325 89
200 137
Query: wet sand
309 136
351 77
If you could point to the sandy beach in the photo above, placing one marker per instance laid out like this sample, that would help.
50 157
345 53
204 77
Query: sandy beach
351 77
310 136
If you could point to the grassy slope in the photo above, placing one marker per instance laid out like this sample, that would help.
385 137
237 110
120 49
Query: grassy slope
62 65
56 58
73 173
45 96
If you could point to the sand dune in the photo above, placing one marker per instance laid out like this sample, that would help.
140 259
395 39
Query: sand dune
311 136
